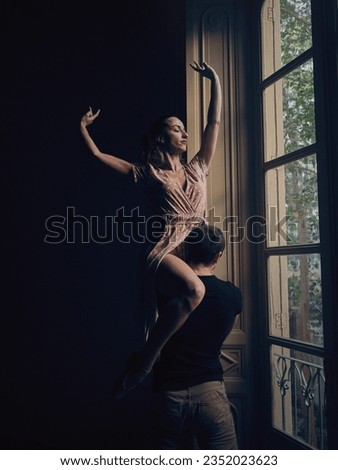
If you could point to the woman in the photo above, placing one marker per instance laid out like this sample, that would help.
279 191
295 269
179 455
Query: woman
178 193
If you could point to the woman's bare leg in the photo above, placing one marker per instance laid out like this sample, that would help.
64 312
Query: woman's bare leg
176 280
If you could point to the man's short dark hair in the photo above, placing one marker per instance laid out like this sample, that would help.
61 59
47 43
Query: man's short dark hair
203 243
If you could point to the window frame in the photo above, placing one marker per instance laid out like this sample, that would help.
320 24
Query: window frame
324 31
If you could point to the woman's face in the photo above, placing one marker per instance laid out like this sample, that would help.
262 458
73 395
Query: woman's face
174 135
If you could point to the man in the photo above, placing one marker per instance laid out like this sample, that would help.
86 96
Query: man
189 395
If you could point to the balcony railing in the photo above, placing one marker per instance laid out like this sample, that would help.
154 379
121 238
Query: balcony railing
300 384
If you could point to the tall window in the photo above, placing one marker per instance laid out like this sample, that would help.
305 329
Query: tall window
292 249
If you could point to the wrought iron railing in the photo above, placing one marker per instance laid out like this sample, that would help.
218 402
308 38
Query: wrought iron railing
301 385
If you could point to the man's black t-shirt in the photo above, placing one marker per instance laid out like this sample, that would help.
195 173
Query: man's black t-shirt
191 356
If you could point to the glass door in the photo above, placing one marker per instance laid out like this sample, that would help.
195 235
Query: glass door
292 252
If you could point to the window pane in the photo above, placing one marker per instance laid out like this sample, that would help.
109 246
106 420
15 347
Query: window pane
298 108
292 203
295 28
295 297
289 120
286 32
298 384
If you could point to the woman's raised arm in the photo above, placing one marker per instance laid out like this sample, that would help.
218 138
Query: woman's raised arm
119 165
210 134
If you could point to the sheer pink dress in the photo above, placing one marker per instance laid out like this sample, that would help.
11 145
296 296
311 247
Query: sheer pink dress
181 209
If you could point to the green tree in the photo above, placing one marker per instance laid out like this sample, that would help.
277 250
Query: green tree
304 281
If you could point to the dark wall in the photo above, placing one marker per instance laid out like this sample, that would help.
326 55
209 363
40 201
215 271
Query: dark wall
72 309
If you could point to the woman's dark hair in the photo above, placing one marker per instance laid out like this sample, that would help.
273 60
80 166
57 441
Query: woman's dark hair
151 146
203 243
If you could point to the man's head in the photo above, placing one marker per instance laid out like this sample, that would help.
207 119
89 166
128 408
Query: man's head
204 245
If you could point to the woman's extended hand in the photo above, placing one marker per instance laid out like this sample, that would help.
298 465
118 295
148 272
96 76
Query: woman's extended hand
204 70
89 117
210 133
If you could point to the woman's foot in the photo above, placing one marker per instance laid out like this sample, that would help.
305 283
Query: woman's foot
132 375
